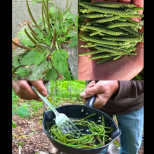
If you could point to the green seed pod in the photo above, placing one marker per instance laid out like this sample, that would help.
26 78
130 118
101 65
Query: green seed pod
132 54
94 8
104 55
90 53
117 57
108 50
96 40
123 24
132 31
106 19
130 20
97 33
104 60
99 29
114 5
122 38
95 16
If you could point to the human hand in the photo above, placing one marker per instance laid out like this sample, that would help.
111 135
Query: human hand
125 68
23 89
103 91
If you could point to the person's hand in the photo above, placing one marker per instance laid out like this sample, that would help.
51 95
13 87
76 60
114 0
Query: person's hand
103 90
23 89
125 68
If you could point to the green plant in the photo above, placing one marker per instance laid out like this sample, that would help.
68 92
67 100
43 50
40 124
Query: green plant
42 54
110 32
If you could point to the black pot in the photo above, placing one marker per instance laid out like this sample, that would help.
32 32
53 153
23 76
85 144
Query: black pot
78 112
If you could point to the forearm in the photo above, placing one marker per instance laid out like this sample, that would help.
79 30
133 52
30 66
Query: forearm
130 89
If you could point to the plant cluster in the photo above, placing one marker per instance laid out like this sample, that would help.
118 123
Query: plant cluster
109 31
97 135
42 53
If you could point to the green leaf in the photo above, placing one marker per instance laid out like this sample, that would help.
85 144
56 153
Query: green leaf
15 61
22 72
39 58
74 41
22 111
37 71
59 60
28 58
51 74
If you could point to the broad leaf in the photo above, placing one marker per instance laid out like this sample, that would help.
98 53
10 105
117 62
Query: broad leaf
59 60
29 58
15 61
39 58
22 72
51 74
37 71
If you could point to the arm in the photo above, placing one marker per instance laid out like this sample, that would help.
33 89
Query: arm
114 96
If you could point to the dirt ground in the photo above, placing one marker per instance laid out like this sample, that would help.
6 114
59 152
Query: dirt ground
28 137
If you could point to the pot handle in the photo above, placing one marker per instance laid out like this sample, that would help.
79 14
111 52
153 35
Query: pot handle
90 101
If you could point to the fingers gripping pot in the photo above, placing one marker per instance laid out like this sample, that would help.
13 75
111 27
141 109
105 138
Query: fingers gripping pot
79 112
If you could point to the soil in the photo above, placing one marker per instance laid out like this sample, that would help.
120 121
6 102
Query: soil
28 137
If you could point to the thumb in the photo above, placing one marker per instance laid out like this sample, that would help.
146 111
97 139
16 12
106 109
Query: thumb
40 87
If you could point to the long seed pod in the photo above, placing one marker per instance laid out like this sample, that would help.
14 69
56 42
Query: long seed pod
104 60
114 5
36 44
123 24
46 13
69 8
43 5
109 50
89 45
117 57
90 53
96 40
97 33
30 13
107 31
54 38
93 8
31 29
106 19
132 31
122 38
68 30
95 15
21 46
107 55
